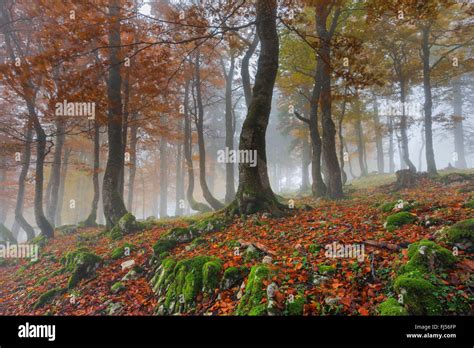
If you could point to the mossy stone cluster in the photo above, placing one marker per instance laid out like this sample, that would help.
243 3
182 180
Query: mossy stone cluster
179 235
81 263
233 276
67 229
251 301
178 283
126 225
48 296
400 205
414 285
121 251
462 231
399 219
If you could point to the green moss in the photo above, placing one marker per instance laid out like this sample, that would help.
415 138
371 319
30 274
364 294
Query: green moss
211 272
326 269
81 263
418 294
461 231
427 256
117 287
259 310
399 219
469 204
391 307
178 283
42 280
67 229
47 297
388 207
254 289
233 276
40 240
126 225
163 245
296 307
119 252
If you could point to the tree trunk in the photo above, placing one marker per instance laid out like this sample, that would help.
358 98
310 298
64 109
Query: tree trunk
55 173
254 193
188 146
91 219
213 202
305 162
179 208
245 70
163 178
458 124
114 207
133 161
62 185
341 142
126 108
378 139
430 158
391 149
360 145
404 127
26 158
229 133
333 182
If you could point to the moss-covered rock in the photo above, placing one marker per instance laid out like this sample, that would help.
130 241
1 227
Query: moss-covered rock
255 291
122 251
177 284
233 276
427 256
211 276
399 219
162 246
417 294
126 225
462 231
326 269
47 297
252 253
296 305
117 287
40 241
391 307
67 229
82 263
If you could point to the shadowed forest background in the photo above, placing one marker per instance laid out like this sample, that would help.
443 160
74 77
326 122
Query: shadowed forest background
237 157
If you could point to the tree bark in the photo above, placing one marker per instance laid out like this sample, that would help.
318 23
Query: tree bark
213 202
378 139
62 185
179 198
245 70
254 193
114 207
333 182
430 157
458 124
391 149
133 161
229 132
26 158
163 178
360 145
55 173
305 162
91 219
341 142
404 127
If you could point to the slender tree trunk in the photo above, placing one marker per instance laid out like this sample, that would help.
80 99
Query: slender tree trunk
163 178
378 139
55 173
133 161
229 133
305 162
351 171
458 124
213 202
126 108
114 207
62 185
91 219
319 188
430 157
341 142
254 192
422 147
404 128
26 158
188 146
245 70
179 208
391 149
333 182
360 145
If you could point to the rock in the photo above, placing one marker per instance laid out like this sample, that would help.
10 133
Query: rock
427 256
117 287
330 301
114 308
267 260
233 276
271 290
82 263
251 301
319 279
399 219
127 264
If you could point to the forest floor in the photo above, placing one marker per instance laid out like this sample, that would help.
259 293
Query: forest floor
295 244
